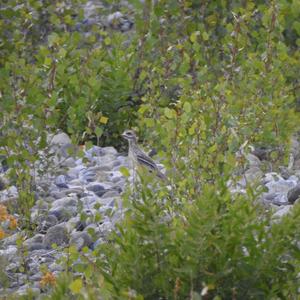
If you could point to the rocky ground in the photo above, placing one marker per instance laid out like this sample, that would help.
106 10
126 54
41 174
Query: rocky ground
92 186
81 203
88 187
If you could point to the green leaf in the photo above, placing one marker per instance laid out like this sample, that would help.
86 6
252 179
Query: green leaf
187 107
103 120
205 36
169 113
124 171
107 41
193 36
62 52
98 131
53 38
76 286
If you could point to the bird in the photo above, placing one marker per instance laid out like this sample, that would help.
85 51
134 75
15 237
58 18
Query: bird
138 157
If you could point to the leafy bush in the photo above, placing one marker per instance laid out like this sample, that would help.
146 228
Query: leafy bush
199 80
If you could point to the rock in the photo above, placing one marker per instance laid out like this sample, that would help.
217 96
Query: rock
36 276
81 240
11 239
103 163
281 186
261 152
38 238
118 21
253 161
56 235
97 188
69 162
61 181
9 253
74 190
11 202
2 184
75 183
26 290
280 199
89 176
55 267
253 174
65 202
63 213
110 194
58 194
35 246
283 211
89 201
45 222
60 139
74 172
293 194
72 223
271 177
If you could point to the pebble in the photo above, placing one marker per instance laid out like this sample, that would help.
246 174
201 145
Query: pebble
81 240
57 234
293 194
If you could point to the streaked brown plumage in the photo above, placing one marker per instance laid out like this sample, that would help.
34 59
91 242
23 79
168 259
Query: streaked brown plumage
138 157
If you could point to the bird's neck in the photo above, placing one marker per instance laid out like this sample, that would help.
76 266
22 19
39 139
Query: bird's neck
132 143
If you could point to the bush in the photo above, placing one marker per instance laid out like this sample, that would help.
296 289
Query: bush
199 80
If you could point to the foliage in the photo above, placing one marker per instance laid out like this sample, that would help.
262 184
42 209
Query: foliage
199 79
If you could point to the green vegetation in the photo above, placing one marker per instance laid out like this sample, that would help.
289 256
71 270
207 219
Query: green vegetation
199 79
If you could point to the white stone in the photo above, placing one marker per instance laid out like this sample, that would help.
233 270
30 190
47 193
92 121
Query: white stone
60 139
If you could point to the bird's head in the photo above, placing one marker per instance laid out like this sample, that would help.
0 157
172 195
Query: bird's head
129 135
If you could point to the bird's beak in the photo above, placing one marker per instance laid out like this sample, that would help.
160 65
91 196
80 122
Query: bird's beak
124 135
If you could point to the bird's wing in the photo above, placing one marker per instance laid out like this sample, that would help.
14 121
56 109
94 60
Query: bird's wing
146 160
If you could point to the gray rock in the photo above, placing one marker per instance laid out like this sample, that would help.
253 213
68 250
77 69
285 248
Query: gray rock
253 160
282 211
261 152
2 184
293 194
281 186
111 193
14 267
9 253
60 139
97 188
58 194
72 223
55 267
35 246
106 160
68 162
45 222
269 196
65 202
63 213
75 182
38 238
74 172
88 177
61 181
81 240
24 290
118 21
11 239
56 235
36 276
110 150
88 201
